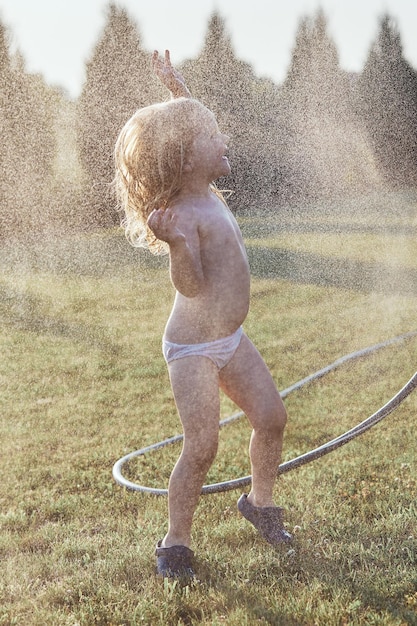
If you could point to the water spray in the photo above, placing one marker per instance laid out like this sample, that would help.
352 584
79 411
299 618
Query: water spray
312 455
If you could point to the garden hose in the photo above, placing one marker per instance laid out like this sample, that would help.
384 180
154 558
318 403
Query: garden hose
299 460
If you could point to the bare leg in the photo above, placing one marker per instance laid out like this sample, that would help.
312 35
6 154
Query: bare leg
248 382
195 384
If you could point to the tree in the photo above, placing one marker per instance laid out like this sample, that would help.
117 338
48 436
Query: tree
34 145
229 87
118 81
28 146
387 105
6 150
314 74
326 151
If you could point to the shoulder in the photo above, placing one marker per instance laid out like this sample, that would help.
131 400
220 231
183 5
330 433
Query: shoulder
186 213
193 214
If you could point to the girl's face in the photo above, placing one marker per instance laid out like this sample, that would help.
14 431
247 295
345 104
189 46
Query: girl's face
208 156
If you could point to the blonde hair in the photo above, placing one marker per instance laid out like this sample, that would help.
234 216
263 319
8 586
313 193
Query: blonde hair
149 156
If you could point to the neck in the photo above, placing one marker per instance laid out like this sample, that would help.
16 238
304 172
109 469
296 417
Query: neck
195 189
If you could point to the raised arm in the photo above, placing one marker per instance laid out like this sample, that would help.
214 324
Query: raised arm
169 76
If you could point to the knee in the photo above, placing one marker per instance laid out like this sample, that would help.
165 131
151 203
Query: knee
282 417
201 451
207 454
273 419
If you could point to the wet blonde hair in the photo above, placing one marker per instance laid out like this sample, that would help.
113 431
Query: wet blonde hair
150 154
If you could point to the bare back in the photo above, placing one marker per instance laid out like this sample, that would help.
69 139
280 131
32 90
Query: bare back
222 303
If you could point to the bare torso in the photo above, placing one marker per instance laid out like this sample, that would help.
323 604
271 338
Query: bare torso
222 303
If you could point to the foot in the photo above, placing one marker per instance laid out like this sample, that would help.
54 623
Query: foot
175 562
267 520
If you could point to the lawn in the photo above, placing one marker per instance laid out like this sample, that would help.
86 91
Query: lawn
83 382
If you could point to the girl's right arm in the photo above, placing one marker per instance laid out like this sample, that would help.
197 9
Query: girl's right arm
169 76
186 269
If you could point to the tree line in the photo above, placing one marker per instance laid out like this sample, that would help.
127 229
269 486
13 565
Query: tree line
322 133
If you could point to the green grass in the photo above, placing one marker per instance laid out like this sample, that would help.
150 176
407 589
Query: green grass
83 382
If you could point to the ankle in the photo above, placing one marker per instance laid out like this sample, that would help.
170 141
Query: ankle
175 540
260 502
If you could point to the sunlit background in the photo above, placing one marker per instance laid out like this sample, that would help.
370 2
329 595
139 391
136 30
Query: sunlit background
56 37
322 114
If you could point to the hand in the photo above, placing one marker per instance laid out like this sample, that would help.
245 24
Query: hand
169 76
162 223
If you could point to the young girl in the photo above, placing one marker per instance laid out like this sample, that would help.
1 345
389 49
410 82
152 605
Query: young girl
167 157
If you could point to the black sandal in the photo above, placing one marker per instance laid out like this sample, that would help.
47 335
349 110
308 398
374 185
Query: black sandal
269 521
174 562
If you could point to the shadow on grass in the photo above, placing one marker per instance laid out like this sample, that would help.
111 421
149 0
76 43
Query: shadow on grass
352 229
258 230
110 253
103 254
24 312
308 268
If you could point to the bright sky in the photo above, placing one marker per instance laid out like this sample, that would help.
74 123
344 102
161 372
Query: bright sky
56 37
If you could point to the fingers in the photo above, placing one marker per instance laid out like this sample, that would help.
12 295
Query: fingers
156 62
161 219
160 63
169 76
162 223
154 219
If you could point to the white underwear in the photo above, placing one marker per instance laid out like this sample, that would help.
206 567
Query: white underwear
220 351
